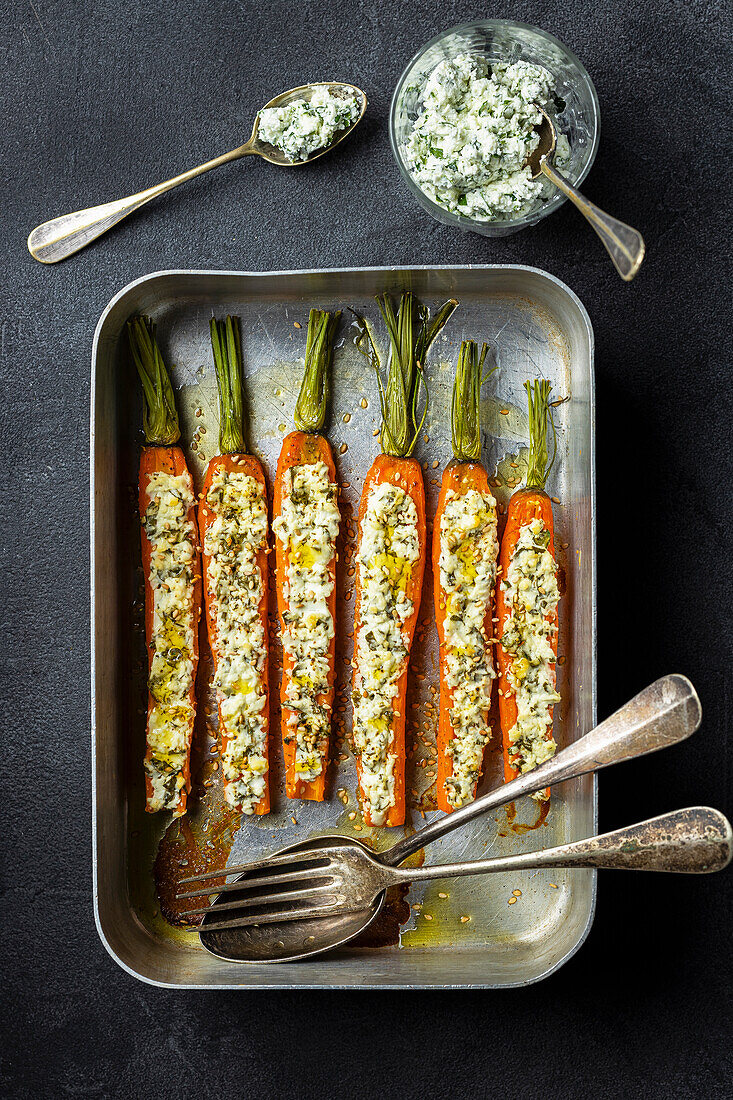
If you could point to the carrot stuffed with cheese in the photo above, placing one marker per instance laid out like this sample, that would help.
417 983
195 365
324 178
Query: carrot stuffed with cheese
390 561
526 607
306 522
465 551
172 568
233 521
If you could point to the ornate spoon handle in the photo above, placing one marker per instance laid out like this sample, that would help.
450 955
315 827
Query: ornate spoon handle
61 237
662 714
624 244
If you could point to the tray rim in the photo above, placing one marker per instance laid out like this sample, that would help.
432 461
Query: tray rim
390 268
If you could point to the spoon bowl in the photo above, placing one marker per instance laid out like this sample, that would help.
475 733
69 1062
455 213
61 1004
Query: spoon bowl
546 146
276 156
61 237
289 940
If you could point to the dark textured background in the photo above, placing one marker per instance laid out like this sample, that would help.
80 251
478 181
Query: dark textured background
102 98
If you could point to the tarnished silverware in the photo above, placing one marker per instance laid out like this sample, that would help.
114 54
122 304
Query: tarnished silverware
61 237
663 714
624 244
345 878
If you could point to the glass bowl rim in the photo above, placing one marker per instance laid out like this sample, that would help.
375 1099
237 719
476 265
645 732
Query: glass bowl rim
473 224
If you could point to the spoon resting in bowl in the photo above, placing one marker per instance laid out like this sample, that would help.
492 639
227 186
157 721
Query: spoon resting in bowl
624 244
56 239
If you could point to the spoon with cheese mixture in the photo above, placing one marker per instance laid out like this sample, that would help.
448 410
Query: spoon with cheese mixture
294 128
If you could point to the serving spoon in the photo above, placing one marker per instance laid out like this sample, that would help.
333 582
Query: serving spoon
666 712
624 244
61 237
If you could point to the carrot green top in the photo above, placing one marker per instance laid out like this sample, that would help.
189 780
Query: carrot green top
539 464
411 332
310 408
465 413
160 419
226 343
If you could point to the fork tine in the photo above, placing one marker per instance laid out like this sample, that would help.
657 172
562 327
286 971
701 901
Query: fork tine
277 917
322 854
327 889
314 874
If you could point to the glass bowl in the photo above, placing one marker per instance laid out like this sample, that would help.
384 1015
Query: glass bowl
578 114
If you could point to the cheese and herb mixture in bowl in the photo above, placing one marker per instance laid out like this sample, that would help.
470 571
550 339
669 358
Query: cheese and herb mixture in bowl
463 118
389 548
233 541
468 554
531 593
173 547
303 126
469 147
308 527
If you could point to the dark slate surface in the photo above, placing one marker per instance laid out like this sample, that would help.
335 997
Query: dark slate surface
102 98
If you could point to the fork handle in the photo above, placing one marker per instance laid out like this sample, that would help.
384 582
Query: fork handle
663 714
694 841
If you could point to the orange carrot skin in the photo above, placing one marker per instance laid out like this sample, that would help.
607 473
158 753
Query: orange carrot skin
300 449
524 506
169 460
460 477
241 464
405 473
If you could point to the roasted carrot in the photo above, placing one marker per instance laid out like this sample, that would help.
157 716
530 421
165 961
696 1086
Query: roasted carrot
390 558
526 607
465 551
234 534
172 569
306 524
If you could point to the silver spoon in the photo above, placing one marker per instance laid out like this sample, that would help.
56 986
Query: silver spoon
666 712
61 237
624 244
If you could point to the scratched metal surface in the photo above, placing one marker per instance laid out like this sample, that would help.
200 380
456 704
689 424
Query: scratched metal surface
519 927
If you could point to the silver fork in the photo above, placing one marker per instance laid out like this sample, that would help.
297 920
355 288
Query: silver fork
346 878
663 714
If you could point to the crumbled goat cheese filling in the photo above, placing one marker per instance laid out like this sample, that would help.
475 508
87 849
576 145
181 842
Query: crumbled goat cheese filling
303 126
307 529
468 553
468 148
531 594
389 547
235 586
173 542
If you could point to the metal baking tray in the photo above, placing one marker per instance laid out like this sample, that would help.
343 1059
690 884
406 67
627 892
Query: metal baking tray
520 927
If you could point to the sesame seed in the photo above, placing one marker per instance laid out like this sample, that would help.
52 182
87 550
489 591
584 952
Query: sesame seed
364 403
346 418
427 916
442 895
297 324
512 901
343 449
464 919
